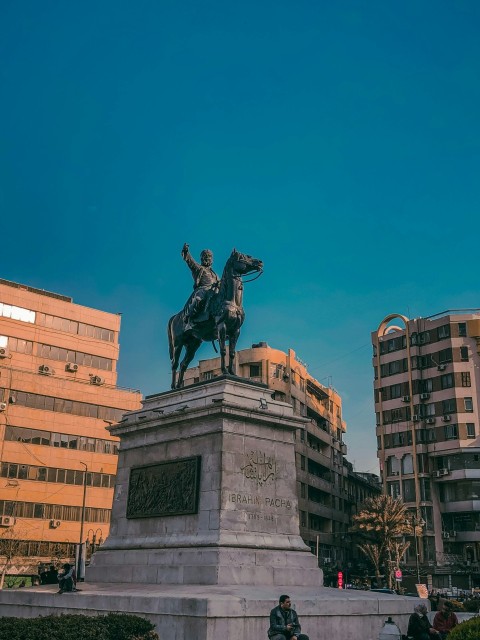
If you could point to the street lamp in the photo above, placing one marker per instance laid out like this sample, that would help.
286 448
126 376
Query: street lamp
417 522
94 539
82 521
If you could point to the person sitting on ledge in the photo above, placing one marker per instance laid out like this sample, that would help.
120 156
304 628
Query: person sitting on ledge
445 620
284 622
66 579
419 626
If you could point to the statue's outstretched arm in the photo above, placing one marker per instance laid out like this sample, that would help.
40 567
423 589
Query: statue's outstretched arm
194 266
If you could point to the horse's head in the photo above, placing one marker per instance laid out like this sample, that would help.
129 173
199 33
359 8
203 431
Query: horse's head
242 264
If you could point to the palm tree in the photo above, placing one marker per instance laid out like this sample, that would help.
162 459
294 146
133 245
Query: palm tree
382 522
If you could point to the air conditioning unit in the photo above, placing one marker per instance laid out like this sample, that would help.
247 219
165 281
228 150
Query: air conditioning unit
441 367
443 472
424 396
54 524
7 521
430 420
452 534
436 474
45 370
406 399
447 418
98 380
445 535
71 366
4 352
3 406
416 417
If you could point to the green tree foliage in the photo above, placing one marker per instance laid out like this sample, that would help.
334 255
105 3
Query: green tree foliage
467 630
114 626
382 523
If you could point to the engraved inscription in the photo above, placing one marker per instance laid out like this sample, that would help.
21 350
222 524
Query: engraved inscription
260 468
164 489
259 501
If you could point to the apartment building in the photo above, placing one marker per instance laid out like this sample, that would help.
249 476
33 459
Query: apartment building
58 394
427 381
327 486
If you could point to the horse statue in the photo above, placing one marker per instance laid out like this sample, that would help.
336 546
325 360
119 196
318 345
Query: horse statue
224 316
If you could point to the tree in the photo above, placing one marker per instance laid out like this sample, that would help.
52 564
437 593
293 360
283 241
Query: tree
10 548
382 523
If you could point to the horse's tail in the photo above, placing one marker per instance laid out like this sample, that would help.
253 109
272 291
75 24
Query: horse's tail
170 337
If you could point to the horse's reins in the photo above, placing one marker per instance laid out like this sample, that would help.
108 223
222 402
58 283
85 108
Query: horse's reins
256 277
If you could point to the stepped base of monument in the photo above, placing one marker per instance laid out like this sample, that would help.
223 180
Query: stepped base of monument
213 612
205 565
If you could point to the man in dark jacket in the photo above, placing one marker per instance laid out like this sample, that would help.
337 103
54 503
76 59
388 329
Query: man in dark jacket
419 627
284 622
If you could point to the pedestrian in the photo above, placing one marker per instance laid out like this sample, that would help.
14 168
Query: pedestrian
445 620
65 579
419 627
284 622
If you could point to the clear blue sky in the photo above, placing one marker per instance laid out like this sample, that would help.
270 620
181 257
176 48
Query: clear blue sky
337 141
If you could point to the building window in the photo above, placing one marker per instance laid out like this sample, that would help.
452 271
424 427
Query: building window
398 439
86 359
393 466
79 328
464 354
393 489
396 391
466 381
207 375
449 406
408 487
255 370
396 415
302 463
470 430
303 490
407 463
425 494
48 403
444 332
426 386
447 381
17 313
450 431
303 519
468 404
462 329
445 355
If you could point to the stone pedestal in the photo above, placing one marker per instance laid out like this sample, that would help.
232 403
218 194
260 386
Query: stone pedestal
206 492
205 533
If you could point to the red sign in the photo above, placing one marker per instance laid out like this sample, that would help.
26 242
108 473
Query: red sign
340 580
398 575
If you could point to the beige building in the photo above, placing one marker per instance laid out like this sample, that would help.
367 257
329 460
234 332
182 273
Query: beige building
57 396
427 383
326 484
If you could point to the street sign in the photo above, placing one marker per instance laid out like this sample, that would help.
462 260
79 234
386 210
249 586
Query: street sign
398 575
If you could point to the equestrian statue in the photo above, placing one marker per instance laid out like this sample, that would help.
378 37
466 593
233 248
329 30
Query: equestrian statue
214 311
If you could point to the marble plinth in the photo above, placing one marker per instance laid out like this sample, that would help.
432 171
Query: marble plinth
246 526
209 613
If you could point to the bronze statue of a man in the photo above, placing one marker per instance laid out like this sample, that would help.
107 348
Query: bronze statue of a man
205 283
